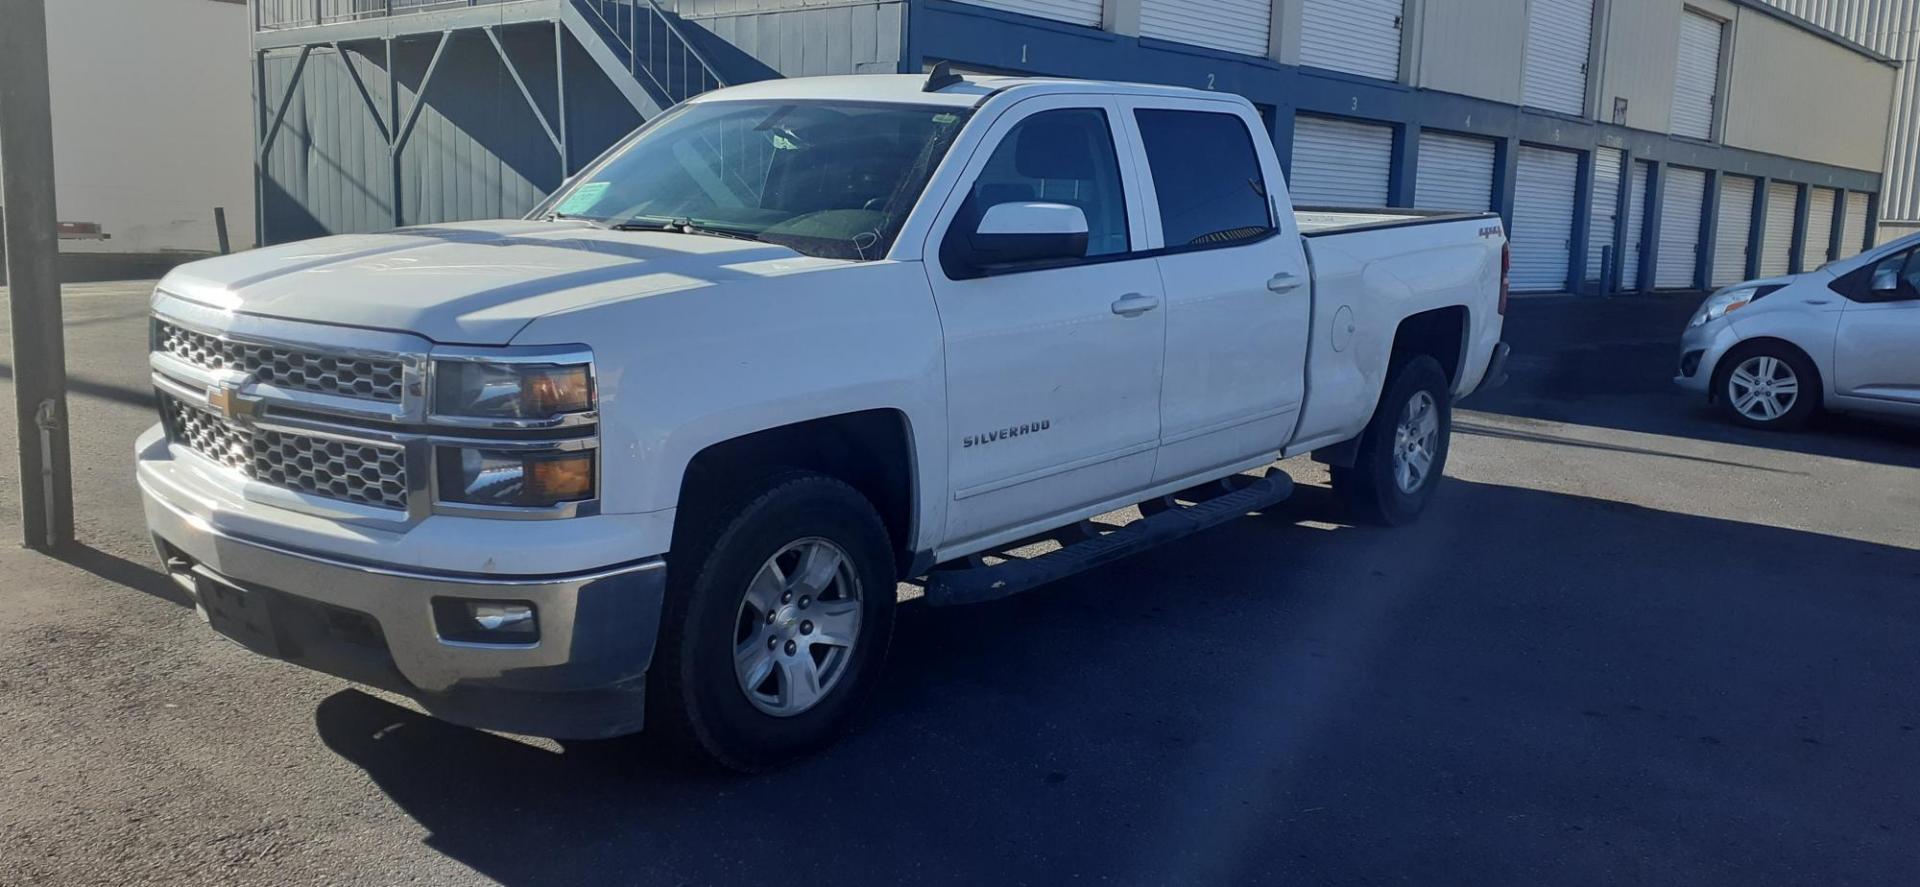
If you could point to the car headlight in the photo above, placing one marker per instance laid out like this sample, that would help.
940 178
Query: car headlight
515 478
480 389
1722 303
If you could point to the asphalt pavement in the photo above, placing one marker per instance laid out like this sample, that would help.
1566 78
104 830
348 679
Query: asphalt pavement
1628 644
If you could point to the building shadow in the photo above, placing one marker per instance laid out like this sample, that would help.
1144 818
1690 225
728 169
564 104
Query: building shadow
1523 686
1610 363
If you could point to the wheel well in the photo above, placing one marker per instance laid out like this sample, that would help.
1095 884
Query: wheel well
870 451
1440 333
1725 365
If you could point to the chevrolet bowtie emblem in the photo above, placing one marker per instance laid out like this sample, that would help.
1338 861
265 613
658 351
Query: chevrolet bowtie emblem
226 401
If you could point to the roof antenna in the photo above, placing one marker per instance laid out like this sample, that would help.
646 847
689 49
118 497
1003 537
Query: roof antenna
941 77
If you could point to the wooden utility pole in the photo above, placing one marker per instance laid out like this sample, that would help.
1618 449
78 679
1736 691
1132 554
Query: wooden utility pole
39 346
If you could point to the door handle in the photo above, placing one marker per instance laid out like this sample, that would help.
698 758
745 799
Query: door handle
1284 282
1135 304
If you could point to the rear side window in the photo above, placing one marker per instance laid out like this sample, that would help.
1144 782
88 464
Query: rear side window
1207 175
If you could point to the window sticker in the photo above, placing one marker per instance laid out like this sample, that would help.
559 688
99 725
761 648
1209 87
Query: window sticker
583 199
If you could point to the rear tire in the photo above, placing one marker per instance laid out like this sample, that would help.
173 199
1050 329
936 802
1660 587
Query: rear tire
1767 385
778 615
1403 451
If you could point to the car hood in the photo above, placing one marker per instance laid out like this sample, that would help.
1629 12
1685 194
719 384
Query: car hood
476 283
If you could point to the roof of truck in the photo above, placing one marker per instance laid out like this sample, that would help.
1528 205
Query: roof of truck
911 88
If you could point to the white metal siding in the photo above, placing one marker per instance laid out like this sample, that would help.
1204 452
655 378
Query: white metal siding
1559 39
1606 208
1776 249
1820 206
1233 25
1340 162
1680 217
1697 79
1733 230
1456 172
1853 231
1356 36
1637 204
1079 12
1543 218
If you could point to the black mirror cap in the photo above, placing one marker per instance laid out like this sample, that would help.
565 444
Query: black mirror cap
1000 250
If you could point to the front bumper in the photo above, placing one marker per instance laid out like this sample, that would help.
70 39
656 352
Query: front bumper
1701 348
374 624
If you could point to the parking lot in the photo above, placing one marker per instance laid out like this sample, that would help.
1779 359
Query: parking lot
1629 643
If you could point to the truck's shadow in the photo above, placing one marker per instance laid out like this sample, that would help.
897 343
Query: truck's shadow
1525 686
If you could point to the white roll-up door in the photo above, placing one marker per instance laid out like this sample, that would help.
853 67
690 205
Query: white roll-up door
1079 12
1559 38
1733 230
1853 231
1821 204
1356 36
1607 163
1696 81
1233 25
1542 235
1455 172
1340 162
1680 217
1776 245
1637 204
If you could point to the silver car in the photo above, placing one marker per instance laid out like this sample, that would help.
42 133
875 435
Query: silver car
1771 353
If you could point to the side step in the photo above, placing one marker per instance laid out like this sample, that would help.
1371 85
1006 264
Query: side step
955 586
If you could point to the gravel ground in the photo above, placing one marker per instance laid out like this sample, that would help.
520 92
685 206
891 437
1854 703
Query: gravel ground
1628 644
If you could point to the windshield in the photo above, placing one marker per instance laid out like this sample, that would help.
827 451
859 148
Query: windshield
827 179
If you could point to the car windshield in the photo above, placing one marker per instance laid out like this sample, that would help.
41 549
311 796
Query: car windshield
828 179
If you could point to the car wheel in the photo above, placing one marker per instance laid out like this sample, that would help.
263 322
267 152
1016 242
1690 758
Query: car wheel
779 628
1404 449
1767 385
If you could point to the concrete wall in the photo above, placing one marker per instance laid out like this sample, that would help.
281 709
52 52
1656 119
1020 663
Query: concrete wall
151 121
1833 109
1473 47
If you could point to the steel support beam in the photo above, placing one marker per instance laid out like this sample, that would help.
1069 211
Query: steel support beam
39 344
527 94
366 97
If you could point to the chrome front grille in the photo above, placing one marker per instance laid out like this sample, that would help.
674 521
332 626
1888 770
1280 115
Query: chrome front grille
290 368
348 471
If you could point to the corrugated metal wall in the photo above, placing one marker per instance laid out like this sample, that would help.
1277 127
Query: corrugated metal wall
795 41
1892 28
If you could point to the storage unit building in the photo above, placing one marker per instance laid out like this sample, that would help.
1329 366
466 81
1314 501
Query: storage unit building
1776 236
1456 172
1340 162
1733 230
1822 206
1076 12
1543 210
1240 26
1559 38
1355 36
1604 217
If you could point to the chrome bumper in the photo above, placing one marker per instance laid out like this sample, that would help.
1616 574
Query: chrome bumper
374 624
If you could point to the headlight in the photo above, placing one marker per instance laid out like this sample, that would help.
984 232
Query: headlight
476 389
1721 304
518 479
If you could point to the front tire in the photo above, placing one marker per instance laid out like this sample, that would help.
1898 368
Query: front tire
1767 385
1404 449
778 630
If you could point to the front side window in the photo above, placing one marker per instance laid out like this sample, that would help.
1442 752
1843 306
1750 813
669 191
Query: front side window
827 179
1063 156
1207 176
1894 278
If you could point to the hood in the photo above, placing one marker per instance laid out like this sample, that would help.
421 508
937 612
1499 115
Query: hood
476 283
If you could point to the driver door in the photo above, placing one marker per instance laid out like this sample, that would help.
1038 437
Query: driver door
1053 373
1877 352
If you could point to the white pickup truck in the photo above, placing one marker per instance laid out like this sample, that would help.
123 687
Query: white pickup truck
660 452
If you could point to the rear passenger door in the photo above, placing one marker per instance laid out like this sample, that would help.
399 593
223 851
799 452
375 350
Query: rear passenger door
1239 301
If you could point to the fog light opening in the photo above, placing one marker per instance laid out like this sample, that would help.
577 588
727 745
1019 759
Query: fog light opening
468 621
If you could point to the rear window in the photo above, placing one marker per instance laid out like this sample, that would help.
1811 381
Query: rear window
1207 176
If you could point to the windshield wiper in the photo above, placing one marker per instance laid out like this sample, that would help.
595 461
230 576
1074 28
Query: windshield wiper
569 217
682 226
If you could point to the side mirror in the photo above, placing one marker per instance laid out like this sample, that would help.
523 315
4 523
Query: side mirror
1018 233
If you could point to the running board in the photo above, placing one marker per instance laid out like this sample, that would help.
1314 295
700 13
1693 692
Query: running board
947 587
